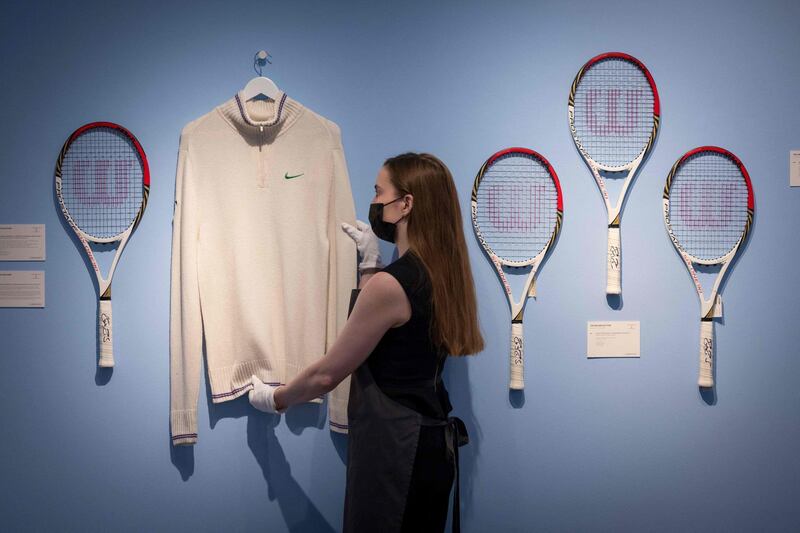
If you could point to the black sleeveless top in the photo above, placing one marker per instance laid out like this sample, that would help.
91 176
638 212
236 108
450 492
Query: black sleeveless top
406 364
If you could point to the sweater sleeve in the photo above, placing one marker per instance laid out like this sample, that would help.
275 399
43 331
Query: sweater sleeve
342 274
186 328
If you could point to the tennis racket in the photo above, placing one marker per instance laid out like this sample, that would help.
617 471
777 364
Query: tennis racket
517 211
708 210
613 116
102 183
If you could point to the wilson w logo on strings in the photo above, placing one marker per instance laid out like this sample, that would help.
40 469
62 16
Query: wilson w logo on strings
519 207
102 181
615 111
711 205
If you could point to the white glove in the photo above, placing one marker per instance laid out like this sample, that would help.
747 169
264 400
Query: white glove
262 396
367 245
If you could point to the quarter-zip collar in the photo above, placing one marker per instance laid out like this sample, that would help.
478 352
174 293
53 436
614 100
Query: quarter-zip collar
261 119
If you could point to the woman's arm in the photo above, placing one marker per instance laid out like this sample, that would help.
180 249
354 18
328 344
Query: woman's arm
381 305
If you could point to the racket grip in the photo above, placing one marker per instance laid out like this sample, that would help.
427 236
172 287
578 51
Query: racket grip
104 334
614 283
706 354
517 382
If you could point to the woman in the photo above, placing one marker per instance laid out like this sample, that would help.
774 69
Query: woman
408 317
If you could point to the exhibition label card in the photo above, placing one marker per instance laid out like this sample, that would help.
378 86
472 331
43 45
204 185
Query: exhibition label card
794 168
613 339
21 242
21 288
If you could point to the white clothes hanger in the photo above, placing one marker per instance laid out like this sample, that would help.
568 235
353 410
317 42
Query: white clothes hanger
260 85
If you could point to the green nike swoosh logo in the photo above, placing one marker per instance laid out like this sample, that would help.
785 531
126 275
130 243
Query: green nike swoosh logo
288 177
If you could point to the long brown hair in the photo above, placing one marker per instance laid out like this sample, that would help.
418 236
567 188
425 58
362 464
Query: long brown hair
436 236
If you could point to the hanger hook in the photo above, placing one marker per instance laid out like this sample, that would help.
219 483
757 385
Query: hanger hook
260 59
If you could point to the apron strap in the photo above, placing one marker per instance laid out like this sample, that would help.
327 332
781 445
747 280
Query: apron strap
458 437
353 297
456 492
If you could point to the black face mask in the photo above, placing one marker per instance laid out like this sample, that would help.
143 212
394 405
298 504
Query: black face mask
383 230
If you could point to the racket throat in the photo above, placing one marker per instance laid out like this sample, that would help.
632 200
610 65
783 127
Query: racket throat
711 309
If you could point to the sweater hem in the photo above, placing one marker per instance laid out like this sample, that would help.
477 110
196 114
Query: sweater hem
230 382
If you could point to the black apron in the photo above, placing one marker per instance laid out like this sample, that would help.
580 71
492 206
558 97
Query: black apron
382 448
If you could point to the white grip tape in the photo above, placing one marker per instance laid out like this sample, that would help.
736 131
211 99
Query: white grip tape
104 334
706 354
614 284
516 382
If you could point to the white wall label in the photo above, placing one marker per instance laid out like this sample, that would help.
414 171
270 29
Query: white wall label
613 339
794 168
21 288
21 242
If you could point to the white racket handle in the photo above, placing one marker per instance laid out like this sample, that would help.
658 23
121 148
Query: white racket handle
517 382
706 354
104 334
614 283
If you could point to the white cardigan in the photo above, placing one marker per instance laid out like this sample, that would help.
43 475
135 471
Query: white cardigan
260 265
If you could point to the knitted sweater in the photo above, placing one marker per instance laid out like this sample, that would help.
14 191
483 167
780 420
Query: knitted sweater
260 266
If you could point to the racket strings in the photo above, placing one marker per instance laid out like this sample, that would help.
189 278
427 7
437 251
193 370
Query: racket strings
101 182
613 117
708 205
517 205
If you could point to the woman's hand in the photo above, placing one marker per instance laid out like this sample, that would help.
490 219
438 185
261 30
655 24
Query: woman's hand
367 244
262 396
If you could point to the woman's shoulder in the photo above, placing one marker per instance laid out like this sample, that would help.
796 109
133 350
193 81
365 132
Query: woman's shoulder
407 265
409 271
384 295
383 287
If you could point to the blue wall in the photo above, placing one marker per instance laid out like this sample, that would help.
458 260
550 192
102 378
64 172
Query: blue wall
591 445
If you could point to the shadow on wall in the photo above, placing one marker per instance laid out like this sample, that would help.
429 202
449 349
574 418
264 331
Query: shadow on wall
299 512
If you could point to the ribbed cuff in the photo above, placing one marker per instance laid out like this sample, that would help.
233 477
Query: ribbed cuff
183 425
338 428
337 406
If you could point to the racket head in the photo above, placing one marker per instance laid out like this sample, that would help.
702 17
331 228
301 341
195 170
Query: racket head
102 181
517 206
708 204
614 110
